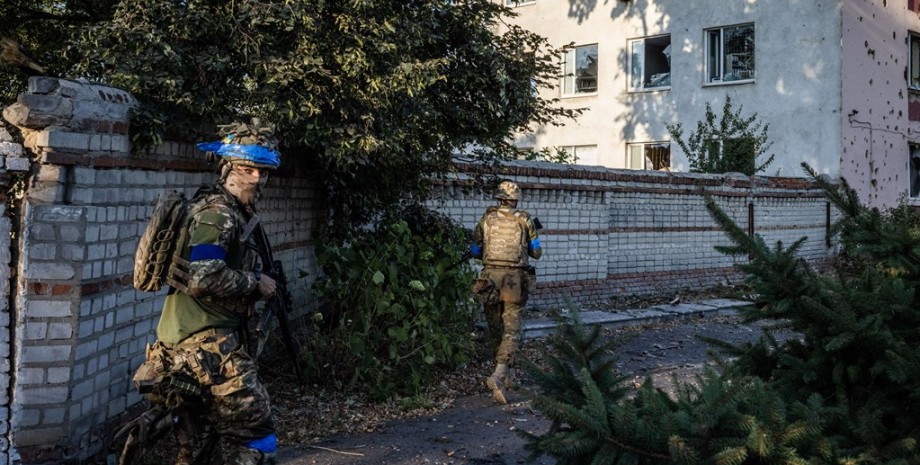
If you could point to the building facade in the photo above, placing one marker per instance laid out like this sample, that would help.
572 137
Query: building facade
837 81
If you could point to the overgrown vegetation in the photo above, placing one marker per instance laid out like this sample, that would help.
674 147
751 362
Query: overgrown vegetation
399 307
845 393
731 144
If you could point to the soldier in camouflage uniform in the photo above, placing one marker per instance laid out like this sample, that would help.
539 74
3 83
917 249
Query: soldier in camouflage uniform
504 239
213 383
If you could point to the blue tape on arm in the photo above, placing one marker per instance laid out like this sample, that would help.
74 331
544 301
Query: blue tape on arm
207 252
266 445
535 244
475 250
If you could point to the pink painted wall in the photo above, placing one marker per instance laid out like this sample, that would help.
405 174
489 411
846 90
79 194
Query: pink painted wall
876 138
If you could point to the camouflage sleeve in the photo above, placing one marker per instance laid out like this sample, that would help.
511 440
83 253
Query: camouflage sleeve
534 249
476 245
212 232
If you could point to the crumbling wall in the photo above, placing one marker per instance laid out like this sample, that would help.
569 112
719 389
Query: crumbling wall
12 166
612 233
80 327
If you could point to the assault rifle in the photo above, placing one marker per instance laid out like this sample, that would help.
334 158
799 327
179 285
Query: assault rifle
279 305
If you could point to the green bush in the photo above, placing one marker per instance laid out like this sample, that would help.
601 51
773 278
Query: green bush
397 307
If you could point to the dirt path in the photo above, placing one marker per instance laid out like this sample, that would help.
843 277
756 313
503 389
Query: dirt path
476 431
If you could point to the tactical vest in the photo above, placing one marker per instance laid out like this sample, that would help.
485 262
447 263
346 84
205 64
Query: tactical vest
505 241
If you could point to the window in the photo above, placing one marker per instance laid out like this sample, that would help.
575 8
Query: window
584 154
519 2
913 80
730 53
649 156
650 63
580 70
913 166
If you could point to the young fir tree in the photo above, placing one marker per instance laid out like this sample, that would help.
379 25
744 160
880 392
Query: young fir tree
845 392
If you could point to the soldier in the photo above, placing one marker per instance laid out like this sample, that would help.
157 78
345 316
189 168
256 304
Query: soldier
504 239
211 379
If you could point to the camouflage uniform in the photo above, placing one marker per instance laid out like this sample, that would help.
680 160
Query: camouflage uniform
504 239
199 365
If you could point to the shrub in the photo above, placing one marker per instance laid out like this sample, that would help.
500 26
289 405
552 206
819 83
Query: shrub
733 144
397 306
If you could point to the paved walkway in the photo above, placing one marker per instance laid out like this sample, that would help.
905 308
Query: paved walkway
640 316
476 431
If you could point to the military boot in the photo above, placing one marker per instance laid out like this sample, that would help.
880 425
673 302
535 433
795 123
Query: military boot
496 382
509 379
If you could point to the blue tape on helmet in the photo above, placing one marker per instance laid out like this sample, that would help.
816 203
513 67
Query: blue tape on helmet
266 445
253 152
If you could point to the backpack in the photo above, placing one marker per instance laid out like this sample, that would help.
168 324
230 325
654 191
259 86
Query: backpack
158 258
504 243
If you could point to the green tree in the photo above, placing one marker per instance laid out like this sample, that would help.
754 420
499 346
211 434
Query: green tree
378 94
731 144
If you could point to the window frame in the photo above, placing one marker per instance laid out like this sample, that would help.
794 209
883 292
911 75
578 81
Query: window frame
913 61
719 63
630 53
573 51
573 149
645 160
913 173
516 3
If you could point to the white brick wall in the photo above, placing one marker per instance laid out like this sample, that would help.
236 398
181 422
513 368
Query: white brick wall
612 233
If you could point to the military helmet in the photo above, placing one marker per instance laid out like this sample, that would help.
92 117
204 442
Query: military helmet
250 144
507 190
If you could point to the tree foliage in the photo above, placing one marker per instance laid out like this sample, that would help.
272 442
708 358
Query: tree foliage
845 392
731 144
378 94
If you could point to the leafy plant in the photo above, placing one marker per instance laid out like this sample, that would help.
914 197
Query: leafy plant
733 144
398 307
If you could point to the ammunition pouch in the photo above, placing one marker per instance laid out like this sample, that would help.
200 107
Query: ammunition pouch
160 378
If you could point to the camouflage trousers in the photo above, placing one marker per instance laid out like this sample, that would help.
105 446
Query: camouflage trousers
233 408
502 305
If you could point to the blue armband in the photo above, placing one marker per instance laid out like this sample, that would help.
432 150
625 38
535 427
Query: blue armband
266 445
475 250
207 252
535 244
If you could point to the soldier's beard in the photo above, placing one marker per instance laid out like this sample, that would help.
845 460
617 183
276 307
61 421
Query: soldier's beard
247 189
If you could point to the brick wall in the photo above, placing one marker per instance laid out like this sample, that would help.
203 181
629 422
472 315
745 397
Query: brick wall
12 164
77 328
81 327
611 233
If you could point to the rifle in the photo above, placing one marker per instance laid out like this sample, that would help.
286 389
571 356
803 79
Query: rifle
279 305
141 433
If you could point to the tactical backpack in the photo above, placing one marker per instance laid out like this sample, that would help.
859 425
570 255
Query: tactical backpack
504 240
158 258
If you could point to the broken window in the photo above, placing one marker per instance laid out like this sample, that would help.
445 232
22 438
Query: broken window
730 55
518 2
649 156
913 71
583 154
650 63
580 70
